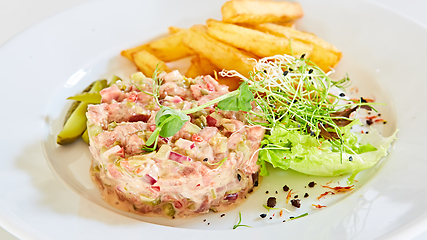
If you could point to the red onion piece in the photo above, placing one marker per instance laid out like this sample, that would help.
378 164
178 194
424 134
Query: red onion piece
231 197
120 189
149 179
177 204
178 157
211 121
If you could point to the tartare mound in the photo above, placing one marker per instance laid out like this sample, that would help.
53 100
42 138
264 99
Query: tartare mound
210 164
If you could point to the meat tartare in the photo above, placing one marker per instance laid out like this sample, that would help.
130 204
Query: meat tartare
210 164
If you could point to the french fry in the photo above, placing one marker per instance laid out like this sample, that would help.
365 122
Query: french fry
147 63
324 54
170 48
201 66
256 42
200 28
167 49
173 29
129 52
233 83
253 12
220 54
287 24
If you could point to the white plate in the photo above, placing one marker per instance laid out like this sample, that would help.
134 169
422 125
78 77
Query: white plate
382 51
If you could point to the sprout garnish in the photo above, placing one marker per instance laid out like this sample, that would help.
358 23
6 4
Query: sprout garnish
291 98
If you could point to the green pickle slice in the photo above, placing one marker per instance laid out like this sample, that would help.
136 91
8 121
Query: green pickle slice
88 97
85 136
76 123
76 103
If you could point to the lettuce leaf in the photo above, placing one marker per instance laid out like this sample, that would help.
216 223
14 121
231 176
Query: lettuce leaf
288 149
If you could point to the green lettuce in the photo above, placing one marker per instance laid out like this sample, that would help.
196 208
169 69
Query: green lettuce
292 149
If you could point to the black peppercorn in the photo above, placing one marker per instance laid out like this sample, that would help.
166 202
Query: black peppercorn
296 203
271 202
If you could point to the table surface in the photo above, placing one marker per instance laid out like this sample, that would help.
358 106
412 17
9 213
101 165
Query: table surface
18 15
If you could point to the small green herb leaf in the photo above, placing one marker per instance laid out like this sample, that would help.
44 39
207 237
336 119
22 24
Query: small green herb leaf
242 101
220 162
269 208
300 216
170 121
238 224
152 139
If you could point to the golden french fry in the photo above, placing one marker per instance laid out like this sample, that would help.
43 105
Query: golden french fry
129 52
170 48
290 24
220 54
167 49
324 54
173 29
147 63
256 42
233 83
200 28
260 11
201 66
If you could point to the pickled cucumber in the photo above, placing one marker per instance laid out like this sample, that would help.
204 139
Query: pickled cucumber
168 209
76 123
114 80
73 107
75 104
85 136
88 97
